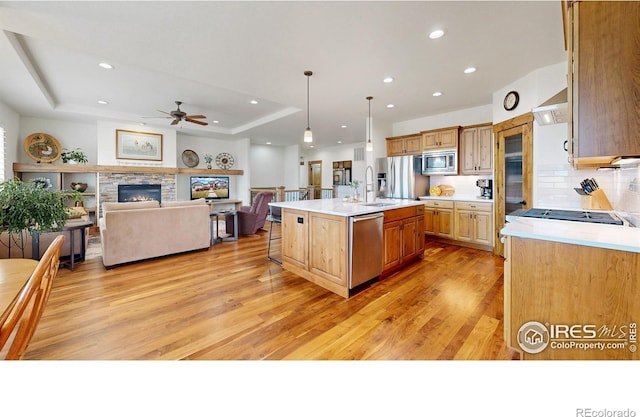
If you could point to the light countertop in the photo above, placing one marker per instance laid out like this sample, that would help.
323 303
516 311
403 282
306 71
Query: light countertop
457 197
339 207
578 233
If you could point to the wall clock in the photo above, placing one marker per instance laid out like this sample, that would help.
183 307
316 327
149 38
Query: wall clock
224 160
511 100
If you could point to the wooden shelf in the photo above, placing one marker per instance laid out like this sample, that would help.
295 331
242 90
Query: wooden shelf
84 168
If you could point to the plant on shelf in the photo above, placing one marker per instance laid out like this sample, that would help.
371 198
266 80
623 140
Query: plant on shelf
208 158
27 207
74 156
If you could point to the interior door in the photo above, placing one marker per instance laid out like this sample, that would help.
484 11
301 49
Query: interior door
315 177
513 179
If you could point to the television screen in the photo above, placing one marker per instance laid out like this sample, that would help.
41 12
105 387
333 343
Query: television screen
211 187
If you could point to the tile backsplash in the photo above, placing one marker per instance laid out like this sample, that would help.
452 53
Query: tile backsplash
555 183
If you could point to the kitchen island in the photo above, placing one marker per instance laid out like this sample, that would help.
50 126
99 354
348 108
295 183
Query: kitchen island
572 289
320 245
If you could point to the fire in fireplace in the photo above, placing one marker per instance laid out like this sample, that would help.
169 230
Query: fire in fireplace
139 192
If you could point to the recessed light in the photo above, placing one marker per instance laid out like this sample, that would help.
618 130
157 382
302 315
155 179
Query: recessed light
102 102
339 141
344 126
469 70
105 65
216 121
437 94
436 34
390 106
253 102
268 143
388 80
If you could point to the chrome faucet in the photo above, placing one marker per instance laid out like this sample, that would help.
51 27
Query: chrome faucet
368 186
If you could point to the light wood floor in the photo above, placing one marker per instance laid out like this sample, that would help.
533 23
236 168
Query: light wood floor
230 302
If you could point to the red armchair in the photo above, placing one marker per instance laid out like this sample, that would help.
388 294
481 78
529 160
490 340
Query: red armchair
251 218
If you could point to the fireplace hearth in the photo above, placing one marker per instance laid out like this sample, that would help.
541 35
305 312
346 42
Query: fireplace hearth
139 192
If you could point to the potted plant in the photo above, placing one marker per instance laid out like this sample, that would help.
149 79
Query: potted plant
356 192
74 156
208 158
27 207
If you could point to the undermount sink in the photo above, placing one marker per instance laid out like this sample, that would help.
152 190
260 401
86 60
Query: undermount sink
379 204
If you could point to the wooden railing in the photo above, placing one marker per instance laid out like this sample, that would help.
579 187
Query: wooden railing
280 194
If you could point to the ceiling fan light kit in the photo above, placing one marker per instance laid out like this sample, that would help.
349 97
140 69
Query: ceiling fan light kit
308 136
178 116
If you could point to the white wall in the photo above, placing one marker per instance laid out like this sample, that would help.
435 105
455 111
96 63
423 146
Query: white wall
70 135
10 121
465 117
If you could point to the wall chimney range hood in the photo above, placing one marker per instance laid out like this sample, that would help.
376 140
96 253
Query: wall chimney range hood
555 110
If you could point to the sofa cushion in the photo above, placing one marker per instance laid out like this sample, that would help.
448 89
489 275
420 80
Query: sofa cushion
185 203
129 206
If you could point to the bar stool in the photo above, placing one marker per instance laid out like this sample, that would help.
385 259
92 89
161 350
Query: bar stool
275 216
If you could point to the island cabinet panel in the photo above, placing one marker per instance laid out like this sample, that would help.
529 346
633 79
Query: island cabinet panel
403 237
295 238
583 301
328 250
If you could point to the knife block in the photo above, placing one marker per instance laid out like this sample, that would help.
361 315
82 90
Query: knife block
596 200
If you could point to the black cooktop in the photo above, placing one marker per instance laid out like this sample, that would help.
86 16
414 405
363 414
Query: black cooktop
573 215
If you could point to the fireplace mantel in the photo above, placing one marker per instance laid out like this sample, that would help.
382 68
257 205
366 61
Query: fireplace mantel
84 168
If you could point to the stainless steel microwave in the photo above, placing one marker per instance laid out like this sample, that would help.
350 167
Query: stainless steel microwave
440 162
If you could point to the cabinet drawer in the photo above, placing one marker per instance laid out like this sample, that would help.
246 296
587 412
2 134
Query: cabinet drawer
400 213
438 204
463 205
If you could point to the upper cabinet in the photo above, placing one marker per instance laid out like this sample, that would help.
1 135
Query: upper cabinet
440 139
476 150
404 145
604 82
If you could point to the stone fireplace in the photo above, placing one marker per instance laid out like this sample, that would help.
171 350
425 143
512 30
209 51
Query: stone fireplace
128 193
108 184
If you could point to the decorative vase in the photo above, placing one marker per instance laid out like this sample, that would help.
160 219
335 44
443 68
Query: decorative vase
356 194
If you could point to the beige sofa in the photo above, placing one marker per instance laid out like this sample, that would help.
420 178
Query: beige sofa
134 231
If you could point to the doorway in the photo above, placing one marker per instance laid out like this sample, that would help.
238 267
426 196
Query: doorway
315 177
513 180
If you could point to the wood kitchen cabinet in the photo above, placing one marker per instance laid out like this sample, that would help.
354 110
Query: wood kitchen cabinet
438 218
445 138
474 222
402 236
404 145
295 238
476 150
603 80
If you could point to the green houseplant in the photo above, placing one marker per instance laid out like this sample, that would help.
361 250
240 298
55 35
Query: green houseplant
74 156
27 207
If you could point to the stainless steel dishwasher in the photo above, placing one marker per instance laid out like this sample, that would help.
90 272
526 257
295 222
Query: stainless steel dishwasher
365 248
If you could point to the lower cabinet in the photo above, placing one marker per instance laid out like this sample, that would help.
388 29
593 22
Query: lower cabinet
438 218
403 236
474 223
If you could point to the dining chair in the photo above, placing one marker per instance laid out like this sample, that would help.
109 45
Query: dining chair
19 321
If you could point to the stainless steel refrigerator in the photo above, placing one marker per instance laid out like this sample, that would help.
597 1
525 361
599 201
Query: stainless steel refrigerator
401 177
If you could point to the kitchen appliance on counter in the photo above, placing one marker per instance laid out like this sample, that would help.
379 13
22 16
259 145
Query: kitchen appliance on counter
486 188
402 177
440 162
601 217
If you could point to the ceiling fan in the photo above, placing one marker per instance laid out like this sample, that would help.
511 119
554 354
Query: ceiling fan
178 116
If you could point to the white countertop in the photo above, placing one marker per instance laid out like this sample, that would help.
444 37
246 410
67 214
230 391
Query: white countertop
339 207
458 197
578 233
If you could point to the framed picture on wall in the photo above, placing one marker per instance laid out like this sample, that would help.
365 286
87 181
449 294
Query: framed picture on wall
138 145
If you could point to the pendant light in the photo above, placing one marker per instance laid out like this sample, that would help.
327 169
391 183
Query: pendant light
308 136
369 147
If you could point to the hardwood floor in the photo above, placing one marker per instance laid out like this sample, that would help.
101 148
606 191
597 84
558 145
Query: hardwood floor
230 302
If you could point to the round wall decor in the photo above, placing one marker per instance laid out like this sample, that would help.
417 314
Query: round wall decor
224 160
42 147
190 158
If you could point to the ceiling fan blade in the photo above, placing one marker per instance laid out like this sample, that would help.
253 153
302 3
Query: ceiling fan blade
166 113
196 116
175 122
189 119
156 117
